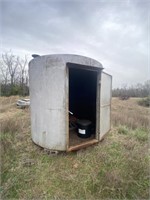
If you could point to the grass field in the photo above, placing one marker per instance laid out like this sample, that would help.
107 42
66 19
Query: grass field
116 168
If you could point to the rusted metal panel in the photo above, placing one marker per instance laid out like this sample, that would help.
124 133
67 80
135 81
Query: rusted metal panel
82 145
105 103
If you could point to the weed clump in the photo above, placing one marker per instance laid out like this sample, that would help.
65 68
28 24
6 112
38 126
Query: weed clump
140 134
123 130
144 102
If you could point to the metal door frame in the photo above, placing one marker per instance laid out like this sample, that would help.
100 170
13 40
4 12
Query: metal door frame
92 141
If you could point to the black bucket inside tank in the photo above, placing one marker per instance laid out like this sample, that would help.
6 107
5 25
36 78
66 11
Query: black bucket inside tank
84 128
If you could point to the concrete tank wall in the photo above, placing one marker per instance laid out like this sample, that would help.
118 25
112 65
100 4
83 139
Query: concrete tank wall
48 82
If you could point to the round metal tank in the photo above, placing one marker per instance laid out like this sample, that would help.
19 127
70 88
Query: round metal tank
48 82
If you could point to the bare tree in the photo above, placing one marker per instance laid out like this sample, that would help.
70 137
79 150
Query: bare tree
4 73
22 69
11 64
14 74
139 90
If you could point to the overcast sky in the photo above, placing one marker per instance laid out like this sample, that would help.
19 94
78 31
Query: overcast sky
116 33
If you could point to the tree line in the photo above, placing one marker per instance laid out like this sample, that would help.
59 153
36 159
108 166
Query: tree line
15 79
139 90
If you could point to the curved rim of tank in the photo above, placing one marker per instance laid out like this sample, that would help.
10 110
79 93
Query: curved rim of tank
71 57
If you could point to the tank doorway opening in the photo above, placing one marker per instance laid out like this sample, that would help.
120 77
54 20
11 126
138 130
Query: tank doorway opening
82 104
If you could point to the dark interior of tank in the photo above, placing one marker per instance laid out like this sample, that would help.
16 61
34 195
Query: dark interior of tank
82 95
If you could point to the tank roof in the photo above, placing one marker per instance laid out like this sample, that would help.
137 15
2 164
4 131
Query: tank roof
71 58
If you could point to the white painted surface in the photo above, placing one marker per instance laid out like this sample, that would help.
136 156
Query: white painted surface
48 94
105 103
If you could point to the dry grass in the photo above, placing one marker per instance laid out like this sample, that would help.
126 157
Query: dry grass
7 103
129 113
117 168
